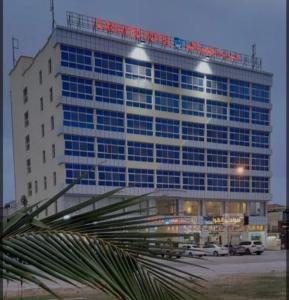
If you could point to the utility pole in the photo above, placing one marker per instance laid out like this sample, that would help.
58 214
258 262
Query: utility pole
52 14
15 46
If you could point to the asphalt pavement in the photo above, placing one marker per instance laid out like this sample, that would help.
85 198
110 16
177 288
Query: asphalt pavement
269 261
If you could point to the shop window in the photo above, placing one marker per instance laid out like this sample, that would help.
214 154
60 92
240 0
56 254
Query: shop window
257 208
237 207
214 208
191 208
167 207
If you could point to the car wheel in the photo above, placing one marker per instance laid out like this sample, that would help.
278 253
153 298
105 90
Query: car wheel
215 253
258 253
178 256
163 255
247 252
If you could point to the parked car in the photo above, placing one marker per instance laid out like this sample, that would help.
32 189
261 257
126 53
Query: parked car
215 250
192 250
167 249
236 249
252 247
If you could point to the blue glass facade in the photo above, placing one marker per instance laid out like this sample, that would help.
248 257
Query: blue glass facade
205 109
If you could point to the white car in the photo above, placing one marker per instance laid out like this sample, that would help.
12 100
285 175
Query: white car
215 250
252 247
192 250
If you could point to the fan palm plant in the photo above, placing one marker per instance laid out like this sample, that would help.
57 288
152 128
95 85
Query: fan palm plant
107 248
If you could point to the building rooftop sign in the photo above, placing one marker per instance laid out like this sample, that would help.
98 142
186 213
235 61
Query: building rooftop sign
82 22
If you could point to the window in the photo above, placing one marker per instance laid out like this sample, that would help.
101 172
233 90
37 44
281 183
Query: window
260 184
26 119
53 150
217 134
43 156
137 69
239 113
137 97
49 66
42 130
167 154
239 159
239 89
75 58
52 122
193 131
217 158
74 171
29 189
260 162
216 110
260 139
217 85
260 116
217 182
108 64
51 94
28 166
214 209
76 145
239 136
25 95
76 116
192 106
194 181
141 178
75 87
193 156
166 75
27 142
168 179
44 183
137 124
239 184
257 208
167 207
41 104
166 102
36 186
260 93
111 148
110 120
192 80
109 92
236 207
54 179
138 151
40 77
167 128
191 208
111 176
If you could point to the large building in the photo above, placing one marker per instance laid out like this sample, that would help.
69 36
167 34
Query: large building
154 113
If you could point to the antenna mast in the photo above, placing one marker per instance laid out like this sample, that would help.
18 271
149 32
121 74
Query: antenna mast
253 56
52 14
15 46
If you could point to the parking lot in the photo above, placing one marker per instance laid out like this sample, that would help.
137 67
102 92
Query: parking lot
268 262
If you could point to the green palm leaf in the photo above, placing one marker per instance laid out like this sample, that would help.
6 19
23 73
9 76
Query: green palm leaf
107 248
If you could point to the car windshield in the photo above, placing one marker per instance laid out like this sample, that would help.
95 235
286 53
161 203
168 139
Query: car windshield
245 243
257 243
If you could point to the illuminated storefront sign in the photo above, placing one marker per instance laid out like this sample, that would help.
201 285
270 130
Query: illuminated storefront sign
164 40
226 219
139 35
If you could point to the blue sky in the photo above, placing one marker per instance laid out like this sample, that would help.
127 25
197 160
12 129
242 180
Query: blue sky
228 24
